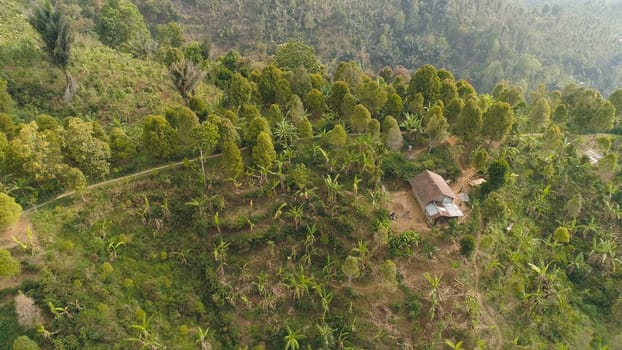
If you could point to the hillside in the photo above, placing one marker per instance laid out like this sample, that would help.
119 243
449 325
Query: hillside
155 196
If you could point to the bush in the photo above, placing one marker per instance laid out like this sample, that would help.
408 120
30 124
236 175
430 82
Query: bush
403 244
467 245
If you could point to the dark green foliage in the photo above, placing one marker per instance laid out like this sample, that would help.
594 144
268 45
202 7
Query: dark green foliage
53 27
337 93
403 244
467 245
498 175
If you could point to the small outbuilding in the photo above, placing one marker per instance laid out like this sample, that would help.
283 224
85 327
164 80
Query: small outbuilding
434 197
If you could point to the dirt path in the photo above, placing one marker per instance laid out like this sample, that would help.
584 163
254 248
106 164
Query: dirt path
480 298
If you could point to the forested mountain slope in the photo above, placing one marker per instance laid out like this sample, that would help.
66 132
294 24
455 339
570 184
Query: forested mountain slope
483 41
272 228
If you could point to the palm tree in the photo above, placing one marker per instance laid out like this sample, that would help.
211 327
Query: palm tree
202 338
285 133
220 254
292 338
295 212
333 187
146 339
413 124
435 295
186 77
54 29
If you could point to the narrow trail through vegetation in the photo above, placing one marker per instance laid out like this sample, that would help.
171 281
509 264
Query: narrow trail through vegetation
483 307
122 178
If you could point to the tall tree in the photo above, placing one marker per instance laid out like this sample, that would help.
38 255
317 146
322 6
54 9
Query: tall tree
360 118
435 127
9 211
186 77
263 151
498 121
232 160
294 54
425 81
539 114
89 153
120 22
469 123
391 134
57 35
158 137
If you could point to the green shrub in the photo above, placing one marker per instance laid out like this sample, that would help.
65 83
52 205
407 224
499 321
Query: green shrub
467 245
404 243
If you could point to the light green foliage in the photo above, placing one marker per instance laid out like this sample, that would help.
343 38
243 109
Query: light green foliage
267 84
232 160
193 52
391 134
448 91
389 273
469 123
360 118
263 151
349 72
305 129
170 35
403 244
512 94
9 266
539 114
465 89
254 128
300 82
296 109
249 112
240 91
227 131
285 133
294 54
373 128
415 103
75 181
158 137
36 154
608 165
89 153
274 114
497 121
183 121
119 23
435 127
425 81
7 125
574 206
480 159
351 267
25 343
561 235
6 101
372 95
337 93
394 105
171 55
9 211
453 110
283 91
205 137
122 147
349 102
315 102
337 136
4 148
615 98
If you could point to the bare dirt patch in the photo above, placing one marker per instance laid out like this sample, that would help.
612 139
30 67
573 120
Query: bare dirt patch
28 314
18 231
409 215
